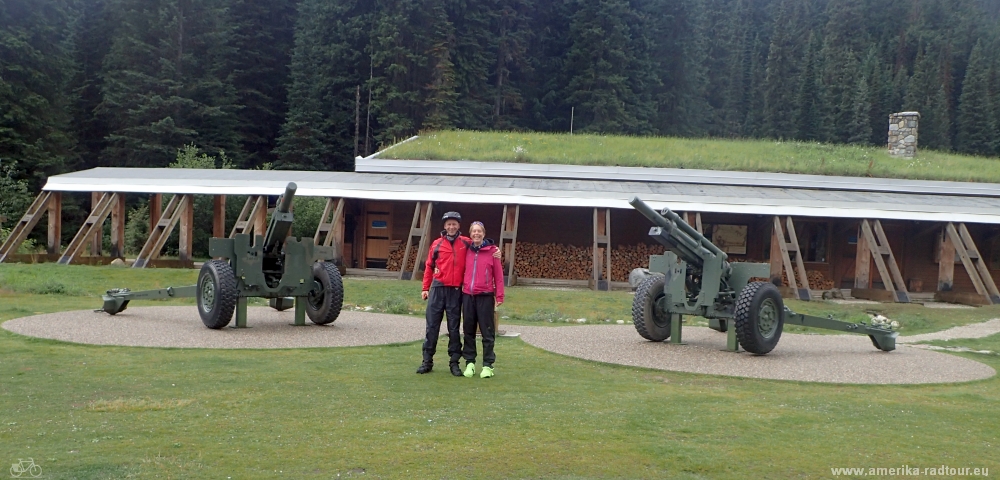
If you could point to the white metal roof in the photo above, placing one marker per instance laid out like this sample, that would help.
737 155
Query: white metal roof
681 196
671 175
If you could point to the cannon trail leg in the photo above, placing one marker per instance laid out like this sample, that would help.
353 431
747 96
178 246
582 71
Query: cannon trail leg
241 313
300 312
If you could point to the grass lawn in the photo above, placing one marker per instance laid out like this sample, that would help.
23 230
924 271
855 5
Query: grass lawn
85 411
697 153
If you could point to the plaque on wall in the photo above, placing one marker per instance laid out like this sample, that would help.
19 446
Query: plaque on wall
730 238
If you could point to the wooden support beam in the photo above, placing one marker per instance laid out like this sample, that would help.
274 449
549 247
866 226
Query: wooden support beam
508 233
219 216
418 228
25 225
155 210
54 244
601 276
186 241
424 245
789 249
118 228
973 262
862 263
885 261
92 227
330 231
979 263
249 215
260 217
96 240
161 232
946 262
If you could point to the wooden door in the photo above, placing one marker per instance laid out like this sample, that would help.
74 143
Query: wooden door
378 233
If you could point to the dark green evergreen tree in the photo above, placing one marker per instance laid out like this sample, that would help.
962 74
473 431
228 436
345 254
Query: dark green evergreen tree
262 41
91 43
977 130
511 68
441 90
331 63
860 129
782 72
811 112
844 39
35 70
599 66
165 83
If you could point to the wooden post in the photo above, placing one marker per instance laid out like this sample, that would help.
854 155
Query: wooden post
155 210
260 220
118 227
508 232
946 263
862 262
187 230
98 237
219 216
777 256
55 223
601 280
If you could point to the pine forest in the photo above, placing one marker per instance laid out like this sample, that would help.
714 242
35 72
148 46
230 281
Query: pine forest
310 84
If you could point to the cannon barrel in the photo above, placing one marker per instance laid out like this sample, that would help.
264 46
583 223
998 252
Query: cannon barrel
281 220
688 240
285 205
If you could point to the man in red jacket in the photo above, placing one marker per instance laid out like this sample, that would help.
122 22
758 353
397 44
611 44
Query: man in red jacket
443 275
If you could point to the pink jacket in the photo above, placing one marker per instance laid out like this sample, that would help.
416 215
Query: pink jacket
483 273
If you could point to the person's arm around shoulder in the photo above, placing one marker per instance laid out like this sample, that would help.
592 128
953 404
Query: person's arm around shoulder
498 278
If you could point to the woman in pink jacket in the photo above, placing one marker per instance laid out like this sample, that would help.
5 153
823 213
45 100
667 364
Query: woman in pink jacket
482 291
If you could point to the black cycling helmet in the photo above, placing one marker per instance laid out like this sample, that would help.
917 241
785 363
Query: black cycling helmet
452 216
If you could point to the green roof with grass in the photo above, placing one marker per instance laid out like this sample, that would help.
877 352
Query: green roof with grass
694 153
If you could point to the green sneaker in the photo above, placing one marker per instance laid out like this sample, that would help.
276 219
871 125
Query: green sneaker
470 369
486 373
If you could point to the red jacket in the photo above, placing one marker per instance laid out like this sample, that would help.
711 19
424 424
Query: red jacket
483 272
446 262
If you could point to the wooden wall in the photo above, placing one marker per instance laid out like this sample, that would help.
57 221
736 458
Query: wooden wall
913 243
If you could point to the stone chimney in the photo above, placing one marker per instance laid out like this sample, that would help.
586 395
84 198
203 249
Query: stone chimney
903 134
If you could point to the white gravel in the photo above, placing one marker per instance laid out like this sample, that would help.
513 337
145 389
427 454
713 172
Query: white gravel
975 330
813 358
181 327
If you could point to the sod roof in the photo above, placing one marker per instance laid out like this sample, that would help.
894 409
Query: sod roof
690 153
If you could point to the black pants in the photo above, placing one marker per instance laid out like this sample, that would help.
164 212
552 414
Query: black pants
441 301
478 310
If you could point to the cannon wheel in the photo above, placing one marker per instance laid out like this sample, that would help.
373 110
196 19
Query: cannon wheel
217 294
648 323
760 317
323 305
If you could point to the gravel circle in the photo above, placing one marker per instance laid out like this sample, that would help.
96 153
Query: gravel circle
181 327
808 358
811 358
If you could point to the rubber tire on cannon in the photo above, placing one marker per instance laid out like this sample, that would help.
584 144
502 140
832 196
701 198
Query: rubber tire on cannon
323 305
651 324
217 294
759 317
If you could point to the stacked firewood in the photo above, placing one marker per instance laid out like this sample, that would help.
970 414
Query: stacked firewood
817 281
628 257
396 258
559 261
552 260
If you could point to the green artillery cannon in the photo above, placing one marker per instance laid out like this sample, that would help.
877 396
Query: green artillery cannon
695 277
272 266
